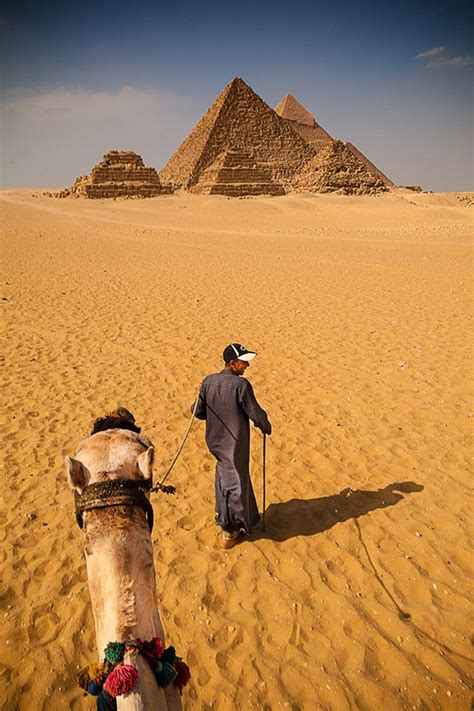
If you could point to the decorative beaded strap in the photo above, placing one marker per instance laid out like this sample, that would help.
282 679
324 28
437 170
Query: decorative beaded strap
116 492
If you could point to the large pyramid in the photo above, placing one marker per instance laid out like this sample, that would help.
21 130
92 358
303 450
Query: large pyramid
237 173
301 121
238 122
120 174
336 168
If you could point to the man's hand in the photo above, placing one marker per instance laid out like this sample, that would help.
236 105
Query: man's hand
267 429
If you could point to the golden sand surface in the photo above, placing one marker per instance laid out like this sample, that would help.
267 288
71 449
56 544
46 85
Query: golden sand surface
358 594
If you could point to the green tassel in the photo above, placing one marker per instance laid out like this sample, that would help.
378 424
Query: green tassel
167 675
169 655
156 666
114 652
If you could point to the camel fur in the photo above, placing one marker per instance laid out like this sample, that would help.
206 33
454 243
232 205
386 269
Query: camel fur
119 558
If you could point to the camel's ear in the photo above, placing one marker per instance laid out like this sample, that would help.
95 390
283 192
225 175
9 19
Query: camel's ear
77 474
145 463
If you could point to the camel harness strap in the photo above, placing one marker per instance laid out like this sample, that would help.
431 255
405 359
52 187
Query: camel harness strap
116 492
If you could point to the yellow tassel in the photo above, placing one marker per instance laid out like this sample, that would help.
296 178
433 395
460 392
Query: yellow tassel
95 671
91 673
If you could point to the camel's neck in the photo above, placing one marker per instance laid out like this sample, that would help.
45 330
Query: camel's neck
121 578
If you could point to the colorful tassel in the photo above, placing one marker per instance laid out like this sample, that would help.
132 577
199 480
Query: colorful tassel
93 672
96 672
112 678
114 652
183 674
105 702
166 676
94 688
157 666
121 680
169 655
156 647
152 649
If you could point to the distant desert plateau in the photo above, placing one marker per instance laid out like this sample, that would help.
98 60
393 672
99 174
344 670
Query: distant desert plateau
358 595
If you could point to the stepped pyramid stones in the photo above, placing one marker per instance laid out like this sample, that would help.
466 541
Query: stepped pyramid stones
238 122
301 121
120 174
369 165
235 174
337 168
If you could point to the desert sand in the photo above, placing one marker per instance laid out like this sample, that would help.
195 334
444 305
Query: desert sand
358 594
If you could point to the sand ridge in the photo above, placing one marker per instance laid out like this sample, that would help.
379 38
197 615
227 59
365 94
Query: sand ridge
358 594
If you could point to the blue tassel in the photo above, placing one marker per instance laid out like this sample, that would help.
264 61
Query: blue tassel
94 688
106 702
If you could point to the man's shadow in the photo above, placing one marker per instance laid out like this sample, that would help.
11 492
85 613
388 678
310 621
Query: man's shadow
306 517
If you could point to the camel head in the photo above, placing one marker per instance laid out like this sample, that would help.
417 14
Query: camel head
111 454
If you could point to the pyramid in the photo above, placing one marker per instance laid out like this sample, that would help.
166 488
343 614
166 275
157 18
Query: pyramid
120 174
336 168
369 165
235 174
301 121
238 121
299 118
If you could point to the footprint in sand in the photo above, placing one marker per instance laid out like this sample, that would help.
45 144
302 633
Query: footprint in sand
221 660
203 677
44 625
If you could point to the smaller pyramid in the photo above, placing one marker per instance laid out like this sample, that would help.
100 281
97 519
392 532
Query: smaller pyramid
120 174
336 168
369 165
301 121
235 174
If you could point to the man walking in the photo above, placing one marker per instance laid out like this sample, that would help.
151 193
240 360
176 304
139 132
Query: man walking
226 401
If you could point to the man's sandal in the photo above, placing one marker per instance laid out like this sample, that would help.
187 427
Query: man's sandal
229 540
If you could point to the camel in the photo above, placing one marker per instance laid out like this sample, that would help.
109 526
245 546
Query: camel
119 558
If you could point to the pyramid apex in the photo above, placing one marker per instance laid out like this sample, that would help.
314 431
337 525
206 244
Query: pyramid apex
236 81
291 109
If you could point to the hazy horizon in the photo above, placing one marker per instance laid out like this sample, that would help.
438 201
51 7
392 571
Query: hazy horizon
80 81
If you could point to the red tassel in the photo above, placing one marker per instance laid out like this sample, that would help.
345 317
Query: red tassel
156 647
184 675
121 680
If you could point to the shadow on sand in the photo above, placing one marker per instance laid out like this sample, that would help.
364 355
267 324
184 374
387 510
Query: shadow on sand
306 517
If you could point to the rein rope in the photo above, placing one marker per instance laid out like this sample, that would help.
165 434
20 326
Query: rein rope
172 489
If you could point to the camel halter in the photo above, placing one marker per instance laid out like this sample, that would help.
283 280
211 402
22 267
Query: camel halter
117 492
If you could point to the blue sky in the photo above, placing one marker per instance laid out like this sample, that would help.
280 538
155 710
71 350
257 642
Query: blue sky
82 78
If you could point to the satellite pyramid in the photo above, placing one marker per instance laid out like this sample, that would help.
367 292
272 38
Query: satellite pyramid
120 174
337 168
302 122
238 126
369 165
300 119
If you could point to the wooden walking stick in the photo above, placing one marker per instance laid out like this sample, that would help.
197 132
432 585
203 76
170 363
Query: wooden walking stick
264 477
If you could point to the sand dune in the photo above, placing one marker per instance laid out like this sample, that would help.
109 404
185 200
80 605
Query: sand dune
358 594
